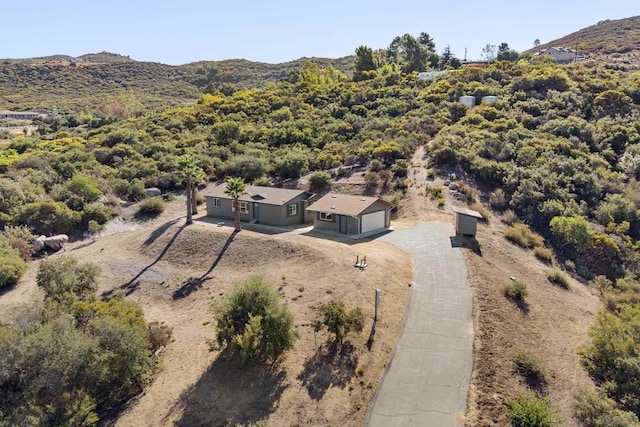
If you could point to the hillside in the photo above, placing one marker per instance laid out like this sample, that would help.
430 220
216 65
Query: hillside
621 36
85 82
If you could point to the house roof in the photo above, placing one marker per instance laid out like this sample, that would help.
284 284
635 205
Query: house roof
266 195
467 212
344 204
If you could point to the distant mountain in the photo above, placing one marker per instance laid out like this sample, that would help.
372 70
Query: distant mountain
621 36
65 82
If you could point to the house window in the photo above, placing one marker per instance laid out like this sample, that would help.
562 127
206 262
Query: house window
244 207
325 216
293 209
216 202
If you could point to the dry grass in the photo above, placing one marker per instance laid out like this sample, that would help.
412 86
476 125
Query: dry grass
521 235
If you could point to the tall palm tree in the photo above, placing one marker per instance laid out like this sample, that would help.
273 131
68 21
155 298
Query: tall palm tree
235 188
196 180
191 174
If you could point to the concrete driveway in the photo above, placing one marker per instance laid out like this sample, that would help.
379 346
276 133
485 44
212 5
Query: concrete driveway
427 381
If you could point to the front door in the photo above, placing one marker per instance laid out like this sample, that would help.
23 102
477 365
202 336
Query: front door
256 211
343 224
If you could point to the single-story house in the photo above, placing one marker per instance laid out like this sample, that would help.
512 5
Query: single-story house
466 221
264 205
351 215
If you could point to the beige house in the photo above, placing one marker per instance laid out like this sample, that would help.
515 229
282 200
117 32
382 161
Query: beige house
559 53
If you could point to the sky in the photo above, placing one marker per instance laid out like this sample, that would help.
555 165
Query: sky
182 31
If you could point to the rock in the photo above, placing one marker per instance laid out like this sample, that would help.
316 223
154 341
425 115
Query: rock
453 186
446 183
56 242
152 191
39 244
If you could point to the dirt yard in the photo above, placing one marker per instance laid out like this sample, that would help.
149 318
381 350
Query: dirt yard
175 273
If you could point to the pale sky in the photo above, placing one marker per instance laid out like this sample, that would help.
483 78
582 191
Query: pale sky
178 32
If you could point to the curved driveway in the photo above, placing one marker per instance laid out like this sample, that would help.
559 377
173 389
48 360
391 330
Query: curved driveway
427 380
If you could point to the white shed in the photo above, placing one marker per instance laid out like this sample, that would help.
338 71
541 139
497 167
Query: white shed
466 222
489 99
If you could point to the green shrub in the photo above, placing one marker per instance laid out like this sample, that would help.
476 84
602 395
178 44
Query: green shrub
59 277
48 217
98 213
253 321
159 335
522 235
263 181
394 198
441 202
375 165
544 254
319 180
558 278
482 210
530 412
434 192
12 266
509 217
596 409
371 178
19 238
84 187
497 199
338 320
151 206
516 290
468 192
529 365
601 283
570 265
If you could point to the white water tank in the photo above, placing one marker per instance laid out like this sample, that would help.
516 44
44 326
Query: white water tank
468 101
489 99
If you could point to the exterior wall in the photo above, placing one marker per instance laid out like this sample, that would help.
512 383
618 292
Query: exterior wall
326 225
466 225
267 214
379 206
353 225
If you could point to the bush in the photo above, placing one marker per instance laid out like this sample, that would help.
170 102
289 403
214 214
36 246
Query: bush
263 181
394 198
601 283
509 217
468 192
338 321
48 217
12 266
522 235
159 335
319 180
596 409
486 213
544 254
530 412
253 321
434 192
151 206
558 278
529 366
371 179
497 199
375 165
516 290
19 238
59 277
84 187
441 202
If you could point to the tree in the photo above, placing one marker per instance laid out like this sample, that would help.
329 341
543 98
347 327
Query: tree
409 53
12 266
191 174
489 52
536 42
426 41
363 63
63 277
505 53
338 320
253 320
235 188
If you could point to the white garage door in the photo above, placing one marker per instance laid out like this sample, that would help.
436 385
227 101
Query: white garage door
372 221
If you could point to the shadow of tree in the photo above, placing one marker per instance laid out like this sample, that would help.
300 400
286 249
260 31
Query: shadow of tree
134 283
333 365
227 395
160 231
192 284
466 242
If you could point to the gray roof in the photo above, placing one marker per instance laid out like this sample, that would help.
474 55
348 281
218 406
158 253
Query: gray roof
467 212
344 204
266 195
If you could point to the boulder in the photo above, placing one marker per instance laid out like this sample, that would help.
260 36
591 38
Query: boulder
56 242
152 191
38 244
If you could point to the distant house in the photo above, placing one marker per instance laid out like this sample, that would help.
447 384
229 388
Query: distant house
560 54
264 205
20 115
350 215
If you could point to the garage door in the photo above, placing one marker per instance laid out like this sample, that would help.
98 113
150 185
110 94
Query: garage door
372 221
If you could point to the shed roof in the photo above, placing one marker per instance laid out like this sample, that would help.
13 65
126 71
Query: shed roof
467 212
266 195
344 204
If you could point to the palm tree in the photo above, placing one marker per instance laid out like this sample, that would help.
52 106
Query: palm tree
196 180
191 174
235 188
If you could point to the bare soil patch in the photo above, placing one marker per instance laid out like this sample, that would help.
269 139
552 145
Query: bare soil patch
175 273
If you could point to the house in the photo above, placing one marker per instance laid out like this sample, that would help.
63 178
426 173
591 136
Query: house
559 53
264 205
466 222
20 115
350 215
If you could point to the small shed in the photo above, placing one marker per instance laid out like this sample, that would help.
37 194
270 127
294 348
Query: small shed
489 99
466 222
468 101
